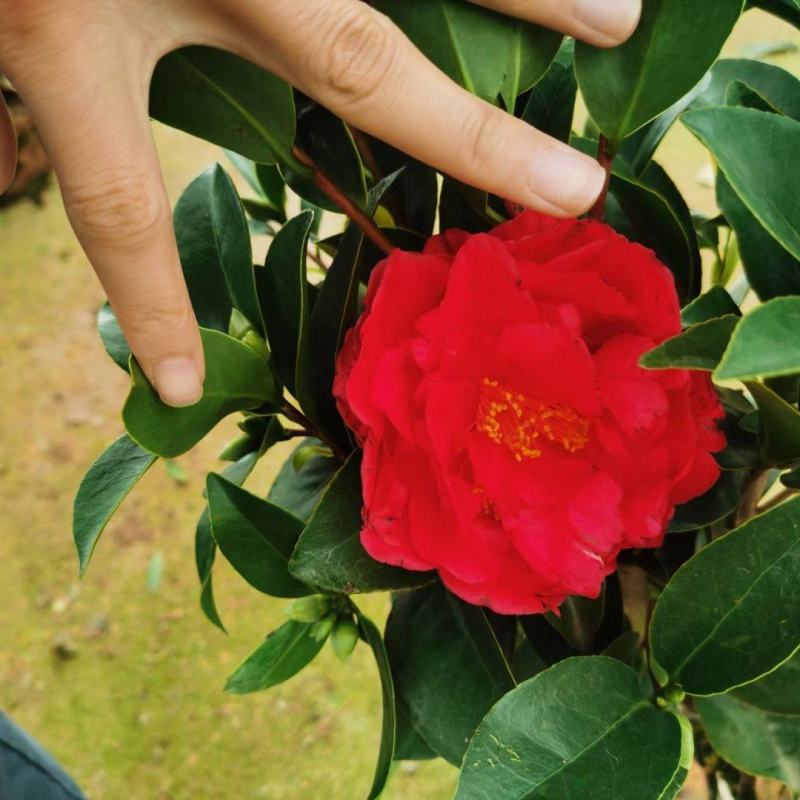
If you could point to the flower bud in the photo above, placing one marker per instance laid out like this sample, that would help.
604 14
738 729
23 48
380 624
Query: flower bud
321 630
309 609
344 638
303 454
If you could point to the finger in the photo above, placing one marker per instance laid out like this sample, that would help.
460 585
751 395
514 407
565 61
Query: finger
365 70
8 147
96 131
604 23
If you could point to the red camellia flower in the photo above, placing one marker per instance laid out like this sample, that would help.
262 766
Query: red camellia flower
511 440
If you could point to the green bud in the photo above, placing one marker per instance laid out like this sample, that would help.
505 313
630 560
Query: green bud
674 694
237 448
344 638
256 343
239 326
321 630
303 454
309 609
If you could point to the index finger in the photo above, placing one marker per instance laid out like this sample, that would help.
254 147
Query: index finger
364 69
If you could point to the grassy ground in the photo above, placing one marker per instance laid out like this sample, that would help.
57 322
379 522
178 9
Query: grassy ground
121 680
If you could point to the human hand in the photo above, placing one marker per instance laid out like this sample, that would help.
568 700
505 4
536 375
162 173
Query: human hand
84 69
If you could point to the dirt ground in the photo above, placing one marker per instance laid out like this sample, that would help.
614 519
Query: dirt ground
119 674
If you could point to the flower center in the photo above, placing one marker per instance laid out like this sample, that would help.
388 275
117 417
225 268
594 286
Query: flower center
509 418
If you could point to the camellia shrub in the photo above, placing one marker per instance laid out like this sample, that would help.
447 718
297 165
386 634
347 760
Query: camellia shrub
561 445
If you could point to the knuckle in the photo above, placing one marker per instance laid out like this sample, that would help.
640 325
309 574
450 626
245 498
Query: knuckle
484 138
121 208
153 323
358 54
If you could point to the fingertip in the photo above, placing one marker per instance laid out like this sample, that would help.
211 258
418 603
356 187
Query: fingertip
608 22
178 381
564 182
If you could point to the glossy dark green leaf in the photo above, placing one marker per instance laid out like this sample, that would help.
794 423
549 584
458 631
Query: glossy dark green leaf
447 665
771 270
283 290
715 627
768 184
765 344
409 745
699 347
372 636
205 548
788 10
225 100
413 197
582 723
112 336
282 655
673 47
335 310
551 105
330 144
716 504
299 491
103 488
237 379
256 536
465 207
716 302
640 147
778 426
778 87
214 246
753 740
579 620
778 692
489 54
329 554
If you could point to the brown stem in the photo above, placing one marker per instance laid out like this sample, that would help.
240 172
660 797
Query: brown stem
337 196
298 417
752 492
779 498
605 157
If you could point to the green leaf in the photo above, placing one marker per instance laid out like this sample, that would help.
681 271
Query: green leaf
256 536
582 723
791 479
579 620
299 491
768 184
778 426
237 379
715 626
777 692
489 54
447 665
716 302
409 745
700 347
112 336
214 246
335 310
283 289
102 490
771 270
778 87
765 343
753 740
282 655
330 144
225 100
673 47
372 637
551 105
788 10
329 554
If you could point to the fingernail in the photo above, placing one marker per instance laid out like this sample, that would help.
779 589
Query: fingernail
177 381
612 19
567 179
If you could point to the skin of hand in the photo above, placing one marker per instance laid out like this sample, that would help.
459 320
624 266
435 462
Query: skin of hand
83 69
